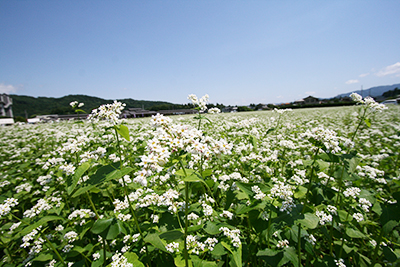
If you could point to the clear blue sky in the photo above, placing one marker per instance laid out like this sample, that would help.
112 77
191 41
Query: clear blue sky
238 52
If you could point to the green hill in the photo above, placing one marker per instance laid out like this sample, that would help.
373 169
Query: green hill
33 106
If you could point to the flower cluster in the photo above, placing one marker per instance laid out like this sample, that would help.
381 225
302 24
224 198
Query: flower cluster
369 102
201 103
233 235
109 112
76 104
6 207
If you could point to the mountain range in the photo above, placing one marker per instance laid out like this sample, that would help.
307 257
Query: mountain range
373 91
28 106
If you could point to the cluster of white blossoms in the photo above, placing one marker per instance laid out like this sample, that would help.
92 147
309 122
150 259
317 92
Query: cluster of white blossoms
109 112
369 102
358 217
83 214
29 237
364 204
372 173
259 194
202 102
172 247
323 217
76 104
42 205
328 138
283 243
5 208
214 111
119 260
282 111
284 192
233 235
196 246
352 192
71 236
168 138
340 263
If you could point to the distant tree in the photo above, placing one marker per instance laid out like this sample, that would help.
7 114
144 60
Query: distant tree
19 119
243 108
391 93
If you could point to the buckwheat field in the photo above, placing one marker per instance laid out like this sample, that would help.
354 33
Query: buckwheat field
308 187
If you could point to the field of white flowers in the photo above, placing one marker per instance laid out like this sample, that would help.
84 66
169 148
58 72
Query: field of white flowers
310 187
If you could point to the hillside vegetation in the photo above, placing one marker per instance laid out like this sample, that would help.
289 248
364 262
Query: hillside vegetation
33 106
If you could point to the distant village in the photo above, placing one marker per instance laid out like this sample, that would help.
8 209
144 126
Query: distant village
6 113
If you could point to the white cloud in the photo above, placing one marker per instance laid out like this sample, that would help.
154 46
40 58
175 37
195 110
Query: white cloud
309 93
352 81
7 88
363 75
392 69
279 96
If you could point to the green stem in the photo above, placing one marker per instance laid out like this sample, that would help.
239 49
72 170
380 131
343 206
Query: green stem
186 223
119 149
104 252
359 124
54 249
185 250
269 226
92 205
310 182
299 244
378 244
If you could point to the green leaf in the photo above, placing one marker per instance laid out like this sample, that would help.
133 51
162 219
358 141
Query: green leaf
388 227
171 235
389 255
301 192
197 262
78 174
184 172
101 174
134 259
212 228
43 257
273 257
108 173
367 122
123 131
354 233
108 228
82 190
42 221
206 173
236 253
246 188
155 240
310 221
179 261
290 254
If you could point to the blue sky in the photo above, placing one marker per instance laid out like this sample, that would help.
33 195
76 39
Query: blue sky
238 52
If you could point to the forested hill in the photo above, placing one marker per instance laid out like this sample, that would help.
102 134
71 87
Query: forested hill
32 106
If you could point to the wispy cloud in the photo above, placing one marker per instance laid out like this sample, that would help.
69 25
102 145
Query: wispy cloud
309 93
7 88
363 75
352 81
392 69
279 96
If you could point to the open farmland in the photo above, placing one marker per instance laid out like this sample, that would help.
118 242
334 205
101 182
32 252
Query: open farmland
310 187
